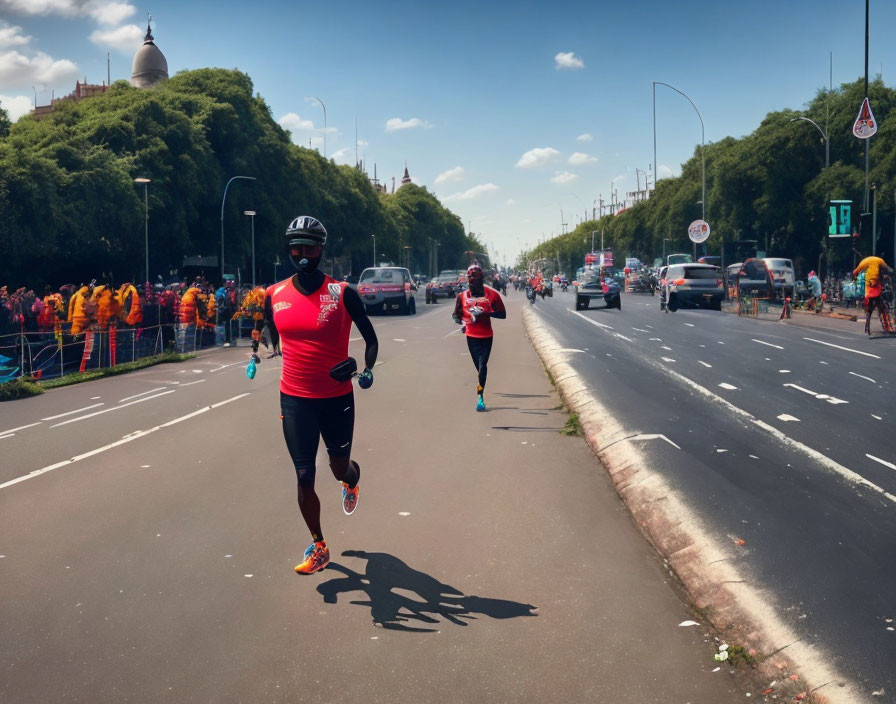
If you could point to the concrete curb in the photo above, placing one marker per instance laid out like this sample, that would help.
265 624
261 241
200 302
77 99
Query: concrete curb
699 559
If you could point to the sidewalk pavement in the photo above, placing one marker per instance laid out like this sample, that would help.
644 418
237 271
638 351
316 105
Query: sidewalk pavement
527 514
837 318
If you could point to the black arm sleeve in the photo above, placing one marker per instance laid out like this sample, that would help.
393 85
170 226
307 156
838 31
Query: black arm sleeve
269 321
358 314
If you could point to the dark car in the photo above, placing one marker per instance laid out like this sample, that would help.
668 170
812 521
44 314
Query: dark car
387 288
596 287
698 285
445 285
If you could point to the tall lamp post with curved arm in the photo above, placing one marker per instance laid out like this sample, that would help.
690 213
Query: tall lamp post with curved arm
702 143
223 200
827 141
325 123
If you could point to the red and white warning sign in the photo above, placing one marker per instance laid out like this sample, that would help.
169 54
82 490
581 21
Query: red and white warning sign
866 125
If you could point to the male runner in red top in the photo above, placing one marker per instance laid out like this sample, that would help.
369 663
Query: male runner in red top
475 308
309 316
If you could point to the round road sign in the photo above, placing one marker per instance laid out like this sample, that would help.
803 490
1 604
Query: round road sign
698 231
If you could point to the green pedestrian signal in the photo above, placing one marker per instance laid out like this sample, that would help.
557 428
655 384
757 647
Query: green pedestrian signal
840 218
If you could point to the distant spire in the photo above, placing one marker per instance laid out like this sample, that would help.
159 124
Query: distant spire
148 37
407 177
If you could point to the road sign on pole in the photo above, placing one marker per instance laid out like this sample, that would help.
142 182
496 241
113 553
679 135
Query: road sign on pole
865 125
698 231
840 217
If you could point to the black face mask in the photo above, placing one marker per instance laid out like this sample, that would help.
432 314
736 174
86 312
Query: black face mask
305 265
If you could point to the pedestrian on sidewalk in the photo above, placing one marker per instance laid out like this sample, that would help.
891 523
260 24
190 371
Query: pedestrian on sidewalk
815 292
309 317
474 309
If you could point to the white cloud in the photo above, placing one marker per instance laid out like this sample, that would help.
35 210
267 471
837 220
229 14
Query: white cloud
537 157
580 159
16 105
585 138
473 192
12 36
563 177
18 70
294 123
510 202
394 124
455 174
342 156
126 39
665 171
102 11
362 142
567 59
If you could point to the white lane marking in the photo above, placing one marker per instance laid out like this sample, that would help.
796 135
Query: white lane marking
883 462
355 339
821 397
777 347
142 393
704 346
867 378
783 371
720 342
21 427
11 435
655 339
190 383
665 347
726 385
94 398
114 408
585 317
667 359
640 330
840 347
822 362
878 417
217 369
124 440
398 339
648 326
708 366
690 325
570 349
623 337
785 417
61 415
234 398
654 436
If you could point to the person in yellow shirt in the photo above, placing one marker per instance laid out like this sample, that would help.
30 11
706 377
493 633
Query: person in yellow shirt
873 268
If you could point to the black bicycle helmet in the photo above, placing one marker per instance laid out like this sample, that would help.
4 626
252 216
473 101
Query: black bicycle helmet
306 230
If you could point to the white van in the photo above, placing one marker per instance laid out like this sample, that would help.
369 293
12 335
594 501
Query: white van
783 275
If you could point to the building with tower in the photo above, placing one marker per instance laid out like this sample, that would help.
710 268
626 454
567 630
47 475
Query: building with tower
150 66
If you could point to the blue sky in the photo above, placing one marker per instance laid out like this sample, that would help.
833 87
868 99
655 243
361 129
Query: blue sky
509 112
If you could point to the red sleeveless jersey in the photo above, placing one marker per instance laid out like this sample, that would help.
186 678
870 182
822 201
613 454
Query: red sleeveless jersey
314 332
491 302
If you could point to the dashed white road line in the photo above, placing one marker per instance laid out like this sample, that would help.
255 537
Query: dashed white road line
726 385
142 393
883 462
708 366
761 342
820 397
124 440
867 378
786 417
585 317
667 359
114 408
190 383
68 413
690 325
21 427
654 436
640 330
840 347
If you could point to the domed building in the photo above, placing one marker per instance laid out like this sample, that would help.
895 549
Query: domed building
150 66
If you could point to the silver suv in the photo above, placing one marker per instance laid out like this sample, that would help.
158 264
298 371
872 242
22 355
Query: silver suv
692 285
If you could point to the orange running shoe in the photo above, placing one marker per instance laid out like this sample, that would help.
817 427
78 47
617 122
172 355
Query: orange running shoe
317 556
349 499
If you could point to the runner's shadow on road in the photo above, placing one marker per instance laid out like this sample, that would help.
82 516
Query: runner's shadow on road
522 395
386 582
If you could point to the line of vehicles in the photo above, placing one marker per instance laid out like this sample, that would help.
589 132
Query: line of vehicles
392 289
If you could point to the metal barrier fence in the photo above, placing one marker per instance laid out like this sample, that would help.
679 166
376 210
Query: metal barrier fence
49 355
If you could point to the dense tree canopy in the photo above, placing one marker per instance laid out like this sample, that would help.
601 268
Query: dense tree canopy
72 212
767 191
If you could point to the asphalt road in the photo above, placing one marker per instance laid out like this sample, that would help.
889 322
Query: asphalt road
781 439
148 533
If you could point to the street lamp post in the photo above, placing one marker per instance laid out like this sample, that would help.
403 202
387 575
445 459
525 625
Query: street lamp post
251 214
827 142
374 249
407 253
702 142
145 182
325 123
223 200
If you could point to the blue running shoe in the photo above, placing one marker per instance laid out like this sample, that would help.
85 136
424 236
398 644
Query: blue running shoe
480 403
